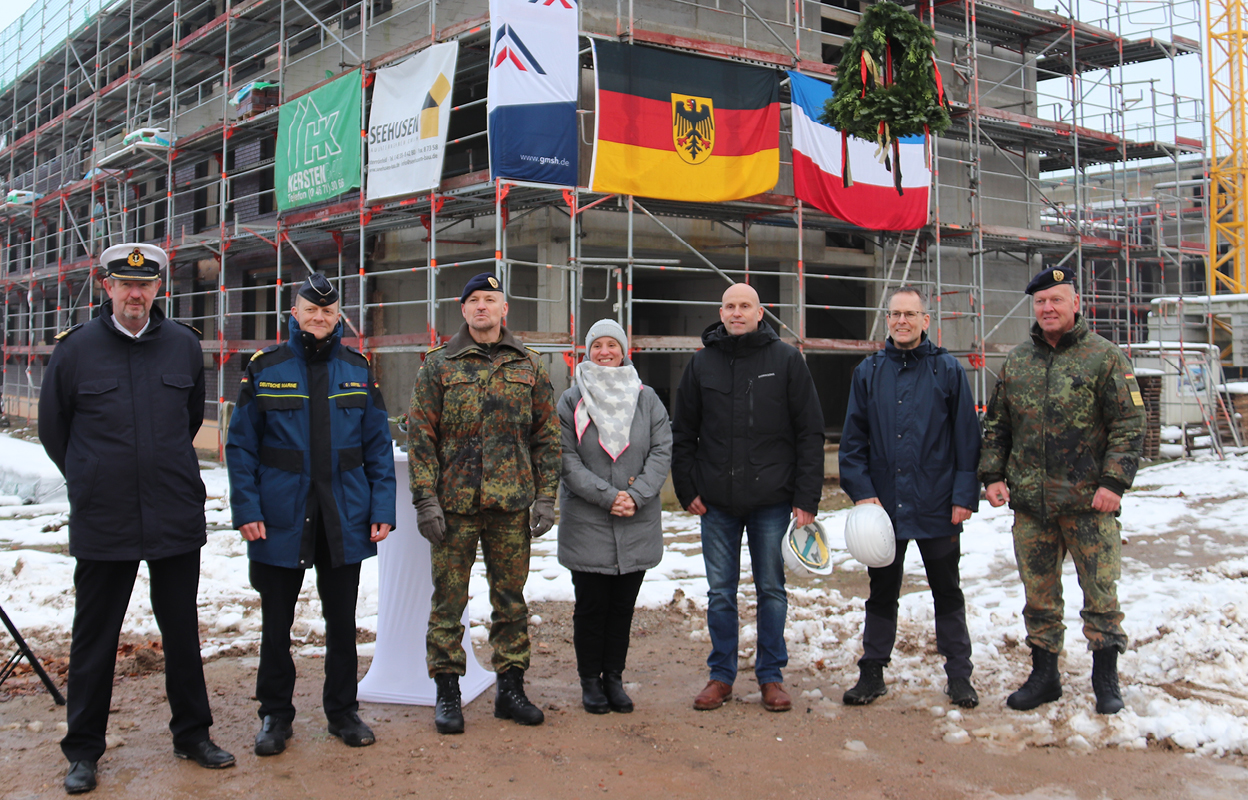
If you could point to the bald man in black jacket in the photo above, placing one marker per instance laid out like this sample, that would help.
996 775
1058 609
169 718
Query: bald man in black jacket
747 451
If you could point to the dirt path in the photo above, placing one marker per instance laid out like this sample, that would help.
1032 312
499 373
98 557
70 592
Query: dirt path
663 750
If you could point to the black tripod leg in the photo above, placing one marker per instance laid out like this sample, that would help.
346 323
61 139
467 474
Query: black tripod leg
23 649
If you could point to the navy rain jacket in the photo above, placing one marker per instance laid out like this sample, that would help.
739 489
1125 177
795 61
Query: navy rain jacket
911 438
303 421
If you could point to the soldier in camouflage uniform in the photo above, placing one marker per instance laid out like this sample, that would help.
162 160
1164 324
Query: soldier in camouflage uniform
1062 441
483 447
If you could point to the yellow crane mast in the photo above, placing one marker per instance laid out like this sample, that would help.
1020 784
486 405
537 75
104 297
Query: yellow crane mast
1225 22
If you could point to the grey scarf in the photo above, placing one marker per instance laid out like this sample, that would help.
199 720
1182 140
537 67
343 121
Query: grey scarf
609 399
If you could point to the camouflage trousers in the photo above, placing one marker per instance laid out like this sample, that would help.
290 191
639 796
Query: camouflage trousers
1094 541
504 538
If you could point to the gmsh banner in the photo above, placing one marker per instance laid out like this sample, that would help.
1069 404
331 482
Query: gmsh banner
318 143
407 141
534 77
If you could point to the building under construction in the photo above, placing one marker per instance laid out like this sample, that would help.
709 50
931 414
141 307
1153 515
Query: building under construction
1072 144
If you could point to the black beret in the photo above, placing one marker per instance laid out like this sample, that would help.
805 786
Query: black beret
318 290
485 282
1053 276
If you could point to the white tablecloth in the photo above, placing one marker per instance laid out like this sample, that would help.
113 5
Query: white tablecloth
405 588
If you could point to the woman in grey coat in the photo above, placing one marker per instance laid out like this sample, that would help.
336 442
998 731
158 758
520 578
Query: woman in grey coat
617 447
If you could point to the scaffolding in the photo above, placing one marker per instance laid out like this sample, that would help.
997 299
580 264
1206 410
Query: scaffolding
120 126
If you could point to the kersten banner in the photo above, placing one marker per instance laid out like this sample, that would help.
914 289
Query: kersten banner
318 144
408 121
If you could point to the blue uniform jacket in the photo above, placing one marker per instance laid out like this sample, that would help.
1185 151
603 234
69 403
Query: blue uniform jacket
306 421
911 438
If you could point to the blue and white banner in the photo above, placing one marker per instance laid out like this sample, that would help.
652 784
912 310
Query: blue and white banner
534 78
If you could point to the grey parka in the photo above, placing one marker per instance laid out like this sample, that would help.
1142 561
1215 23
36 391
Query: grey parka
590 539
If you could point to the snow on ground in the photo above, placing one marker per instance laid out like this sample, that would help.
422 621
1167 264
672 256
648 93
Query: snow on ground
1184 591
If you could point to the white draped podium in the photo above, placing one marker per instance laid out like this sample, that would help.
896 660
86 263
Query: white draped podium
405 593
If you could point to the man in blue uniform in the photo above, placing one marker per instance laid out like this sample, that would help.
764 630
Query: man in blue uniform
911 445
121 401
311 484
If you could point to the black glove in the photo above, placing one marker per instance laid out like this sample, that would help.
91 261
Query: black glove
430 520
541 516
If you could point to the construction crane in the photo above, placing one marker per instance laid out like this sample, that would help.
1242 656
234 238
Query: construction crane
1226 28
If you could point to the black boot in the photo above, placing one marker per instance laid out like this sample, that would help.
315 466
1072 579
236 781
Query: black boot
870 686
81 777
510 701
1105 681
613 682
273 735
962 693
1044 685
448 715
592 696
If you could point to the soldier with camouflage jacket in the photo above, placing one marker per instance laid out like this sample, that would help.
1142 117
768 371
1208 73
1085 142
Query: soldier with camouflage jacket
483 445
1062 441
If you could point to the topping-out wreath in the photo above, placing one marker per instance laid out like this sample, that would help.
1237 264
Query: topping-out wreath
888 85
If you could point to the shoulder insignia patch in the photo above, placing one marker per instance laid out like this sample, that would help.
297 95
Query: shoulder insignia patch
198 332
353 351
530 349
67 331
435 349
270 349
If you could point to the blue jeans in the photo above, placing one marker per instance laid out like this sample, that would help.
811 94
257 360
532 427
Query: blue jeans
721 550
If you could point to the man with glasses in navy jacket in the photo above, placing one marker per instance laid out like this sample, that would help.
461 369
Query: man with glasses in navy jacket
911 444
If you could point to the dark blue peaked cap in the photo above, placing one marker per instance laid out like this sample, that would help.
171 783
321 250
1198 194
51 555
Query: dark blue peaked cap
318 290
485 282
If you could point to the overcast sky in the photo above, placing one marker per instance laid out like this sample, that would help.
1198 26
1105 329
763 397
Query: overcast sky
12 9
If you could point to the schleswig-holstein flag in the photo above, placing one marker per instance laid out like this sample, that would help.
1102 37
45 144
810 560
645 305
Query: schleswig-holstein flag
682 127
872 200
534 76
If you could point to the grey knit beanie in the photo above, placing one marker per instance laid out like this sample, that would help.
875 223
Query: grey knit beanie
607 327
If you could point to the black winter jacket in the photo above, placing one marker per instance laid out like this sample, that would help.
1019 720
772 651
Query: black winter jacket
911 439
747 426
117 416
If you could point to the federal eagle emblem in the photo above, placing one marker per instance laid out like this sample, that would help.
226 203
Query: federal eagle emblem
135 259
693 127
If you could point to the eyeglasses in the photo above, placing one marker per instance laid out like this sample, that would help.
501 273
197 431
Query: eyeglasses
909 316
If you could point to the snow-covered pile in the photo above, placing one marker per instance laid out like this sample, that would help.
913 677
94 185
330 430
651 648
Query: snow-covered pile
27 474
1184 584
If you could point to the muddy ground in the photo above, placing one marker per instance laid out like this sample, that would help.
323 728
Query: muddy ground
664 749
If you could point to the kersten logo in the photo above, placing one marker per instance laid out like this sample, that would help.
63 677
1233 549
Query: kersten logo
564 3
506 43
312 142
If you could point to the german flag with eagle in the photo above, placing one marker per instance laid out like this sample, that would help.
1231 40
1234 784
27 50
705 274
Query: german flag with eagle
681 127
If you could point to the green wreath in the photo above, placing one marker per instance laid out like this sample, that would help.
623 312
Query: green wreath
887 82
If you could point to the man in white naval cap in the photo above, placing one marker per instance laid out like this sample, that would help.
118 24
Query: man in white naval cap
121 401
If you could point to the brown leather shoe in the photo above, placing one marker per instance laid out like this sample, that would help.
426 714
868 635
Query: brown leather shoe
775 698
713 696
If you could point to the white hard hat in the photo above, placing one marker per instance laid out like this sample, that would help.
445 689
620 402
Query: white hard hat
805 549
869 535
